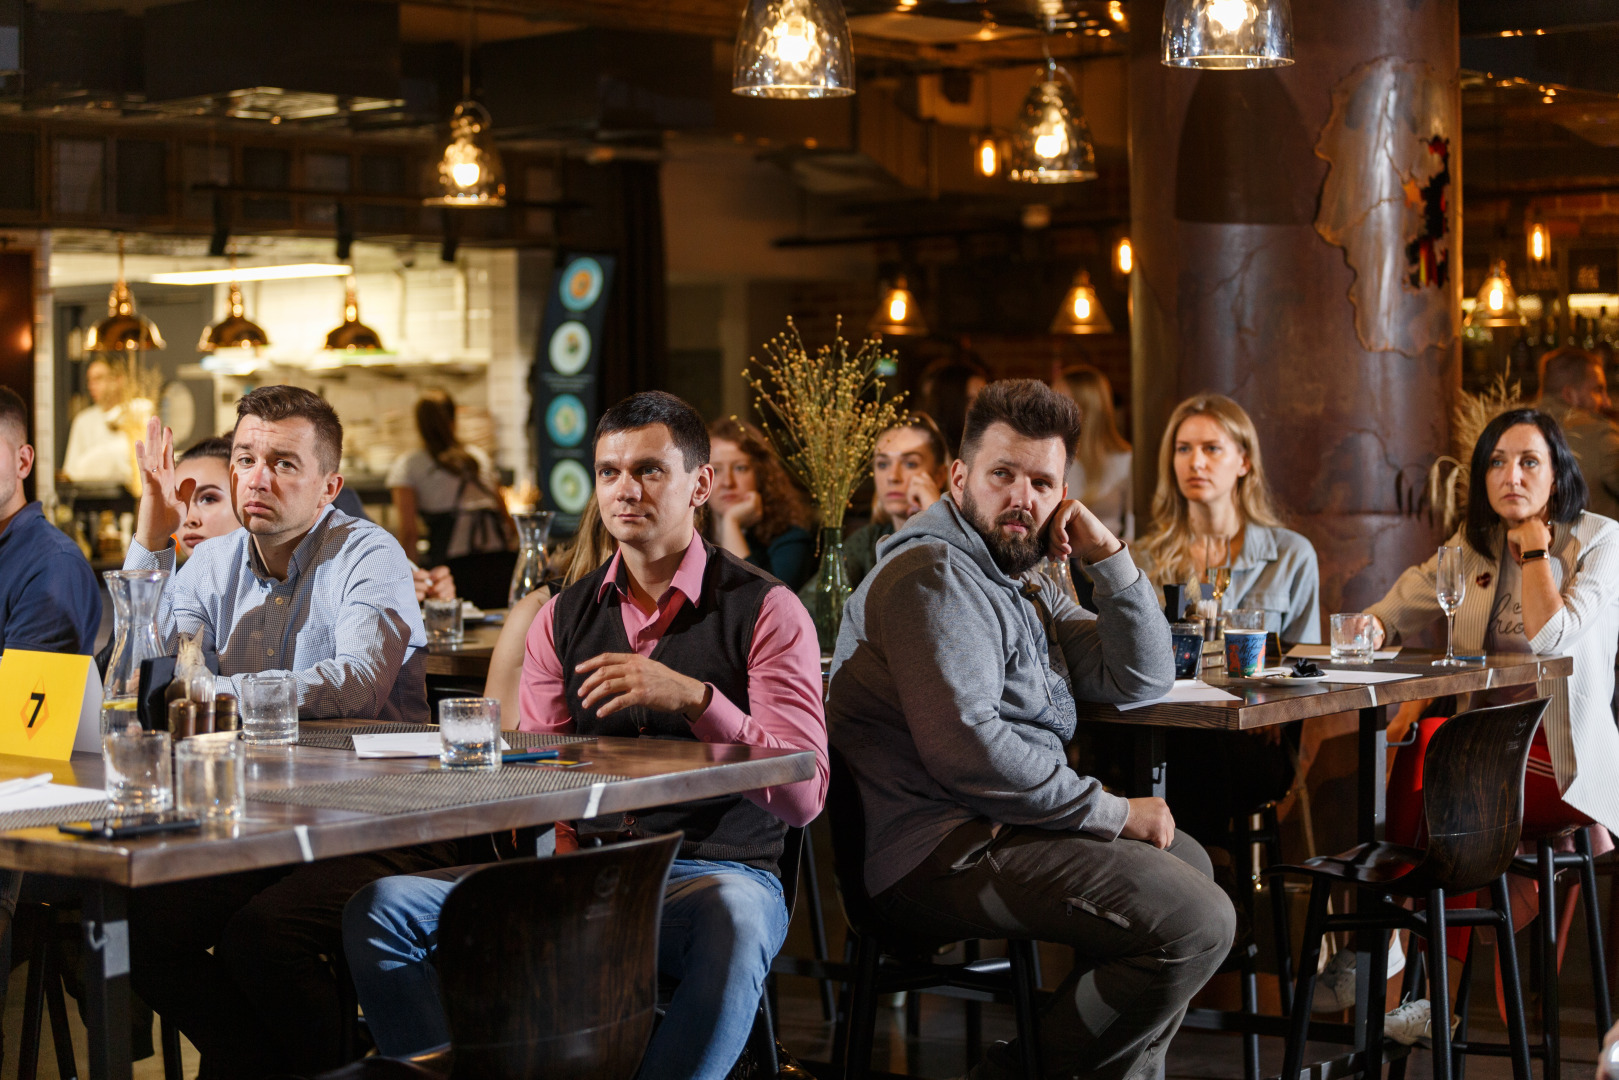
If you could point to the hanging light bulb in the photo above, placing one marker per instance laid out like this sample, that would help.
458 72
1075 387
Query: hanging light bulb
1228 33
1052 142
1081 312
897 312
469 172
235 330
987 156
353 335
793 49
1540 243
1124 256
1497 301
123 330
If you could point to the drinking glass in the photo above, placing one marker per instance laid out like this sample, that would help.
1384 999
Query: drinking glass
1188 641
469 730
1352 638
139 774
269 707
210 776
443 619
1450 586
1245 619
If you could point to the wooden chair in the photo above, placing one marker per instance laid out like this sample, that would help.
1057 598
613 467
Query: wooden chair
1472 793
886 955
547 967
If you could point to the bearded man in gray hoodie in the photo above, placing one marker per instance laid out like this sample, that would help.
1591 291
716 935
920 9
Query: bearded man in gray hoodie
952 701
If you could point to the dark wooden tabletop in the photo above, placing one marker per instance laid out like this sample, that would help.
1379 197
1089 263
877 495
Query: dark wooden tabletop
273 834
1263 705
470 659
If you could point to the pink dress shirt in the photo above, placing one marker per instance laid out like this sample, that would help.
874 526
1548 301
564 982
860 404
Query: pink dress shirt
784 681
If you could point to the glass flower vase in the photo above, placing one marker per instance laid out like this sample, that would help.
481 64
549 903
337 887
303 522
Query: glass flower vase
136 595
831 590
533 529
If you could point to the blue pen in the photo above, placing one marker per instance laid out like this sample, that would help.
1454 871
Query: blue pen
529 755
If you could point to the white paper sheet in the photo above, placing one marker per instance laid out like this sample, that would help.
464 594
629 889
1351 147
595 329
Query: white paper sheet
1184 691
1324 652
1365 676
402 744
43 798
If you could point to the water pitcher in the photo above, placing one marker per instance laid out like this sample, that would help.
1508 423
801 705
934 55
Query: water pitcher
533 529
135 598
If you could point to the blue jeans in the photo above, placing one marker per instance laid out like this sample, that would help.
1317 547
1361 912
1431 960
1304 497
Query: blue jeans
723 923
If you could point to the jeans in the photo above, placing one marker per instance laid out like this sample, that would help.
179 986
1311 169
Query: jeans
1148 928
723 922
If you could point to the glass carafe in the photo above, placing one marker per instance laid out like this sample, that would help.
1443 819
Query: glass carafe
135 598
533 529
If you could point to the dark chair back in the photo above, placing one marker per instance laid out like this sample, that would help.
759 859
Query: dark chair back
548 967
847 815
792 861
1472 793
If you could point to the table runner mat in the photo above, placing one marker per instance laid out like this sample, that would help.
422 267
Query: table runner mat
53 815
339 736
434 789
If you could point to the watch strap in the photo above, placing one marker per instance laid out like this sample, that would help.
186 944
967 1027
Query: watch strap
1531 556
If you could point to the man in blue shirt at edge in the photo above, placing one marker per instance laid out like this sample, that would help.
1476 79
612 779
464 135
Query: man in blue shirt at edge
238 962
49 600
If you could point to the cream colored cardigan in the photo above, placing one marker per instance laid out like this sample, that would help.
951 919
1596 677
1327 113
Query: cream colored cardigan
1580 728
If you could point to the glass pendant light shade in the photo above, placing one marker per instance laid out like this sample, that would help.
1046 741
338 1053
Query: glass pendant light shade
1124 256
1081 312
1052 142
469 172
793 49
1540 243
898 313
353 335
987 154
1228 33
1497 302
235 330
123 330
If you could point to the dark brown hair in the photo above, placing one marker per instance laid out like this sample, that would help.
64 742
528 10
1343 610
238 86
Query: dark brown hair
1569 493
781 504
1030 408
294 402
13 410
435 420
1566 367
650 407
215 446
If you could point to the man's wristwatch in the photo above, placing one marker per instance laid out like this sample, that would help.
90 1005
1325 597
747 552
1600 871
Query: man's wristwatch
1531 556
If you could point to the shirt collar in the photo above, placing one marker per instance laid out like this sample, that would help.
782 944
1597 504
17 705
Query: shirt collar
22 519
300 554
688 576
1258 546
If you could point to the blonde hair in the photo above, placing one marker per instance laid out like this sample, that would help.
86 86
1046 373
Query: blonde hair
592 545
1098 427
1169 545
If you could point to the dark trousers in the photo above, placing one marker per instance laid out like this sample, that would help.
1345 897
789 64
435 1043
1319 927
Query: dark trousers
1148 928
265 1000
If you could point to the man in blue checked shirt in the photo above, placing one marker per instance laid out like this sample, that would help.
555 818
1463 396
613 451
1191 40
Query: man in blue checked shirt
302 588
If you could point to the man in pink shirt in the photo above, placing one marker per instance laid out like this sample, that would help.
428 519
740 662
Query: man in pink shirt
672 639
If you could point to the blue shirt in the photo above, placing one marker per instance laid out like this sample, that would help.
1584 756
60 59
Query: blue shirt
49 600
345 622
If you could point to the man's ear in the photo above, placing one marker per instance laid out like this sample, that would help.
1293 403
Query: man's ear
958 479
705 485
334 484
25 459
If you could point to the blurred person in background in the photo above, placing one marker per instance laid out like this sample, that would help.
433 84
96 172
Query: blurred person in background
1100 474
758 514
948 389
99 446
1574 392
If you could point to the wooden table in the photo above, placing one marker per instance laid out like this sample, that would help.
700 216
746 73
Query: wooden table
1263 705
468 660
274 834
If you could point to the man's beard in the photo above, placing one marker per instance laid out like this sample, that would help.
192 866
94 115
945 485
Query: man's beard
1015 555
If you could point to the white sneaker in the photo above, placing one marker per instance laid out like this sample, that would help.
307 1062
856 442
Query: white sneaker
1413 1021
1335 986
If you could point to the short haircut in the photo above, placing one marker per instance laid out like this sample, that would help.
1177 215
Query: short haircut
650 407
216 446
14 412
1566 368
1030 408
294 402
1569 493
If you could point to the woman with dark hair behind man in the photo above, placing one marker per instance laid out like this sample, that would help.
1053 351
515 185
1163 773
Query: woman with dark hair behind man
757 513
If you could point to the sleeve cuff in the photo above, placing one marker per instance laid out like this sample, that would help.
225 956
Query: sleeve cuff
1115 573
722 721
1546 642
1106 821
139 558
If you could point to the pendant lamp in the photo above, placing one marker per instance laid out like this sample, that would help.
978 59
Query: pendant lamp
1124 256
796 49
469 170
353 335
1540 243
1081 312
1228 33
235 330
898 313
123 330
1052 142
1497 302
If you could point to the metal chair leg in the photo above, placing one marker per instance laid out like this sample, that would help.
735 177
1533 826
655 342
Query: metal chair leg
33 1008
169 1035
818 941
862 1020
1511 985
1250 1007
1025 962
1309 959
1464 1002
1281 921
1411 988
1593 930
973 1011
1438 986
1550 1022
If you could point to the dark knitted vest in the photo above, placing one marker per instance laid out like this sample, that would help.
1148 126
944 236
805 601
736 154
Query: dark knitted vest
708 640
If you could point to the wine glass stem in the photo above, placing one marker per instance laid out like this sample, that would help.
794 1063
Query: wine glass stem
1450 636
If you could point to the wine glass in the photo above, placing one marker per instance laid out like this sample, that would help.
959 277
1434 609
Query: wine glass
1218 572
1449 588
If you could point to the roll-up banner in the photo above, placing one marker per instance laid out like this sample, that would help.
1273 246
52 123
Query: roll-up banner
565 386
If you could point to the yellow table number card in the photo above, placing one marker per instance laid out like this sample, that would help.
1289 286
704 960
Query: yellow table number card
50 704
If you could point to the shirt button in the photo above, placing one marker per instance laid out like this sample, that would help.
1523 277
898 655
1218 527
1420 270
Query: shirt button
269 652
281 599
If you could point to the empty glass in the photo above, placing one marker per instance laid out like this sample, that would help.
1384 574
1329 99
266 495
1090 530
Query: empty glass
1450 586
469 730
210 776
1245 619
269 707
1352 638
139 774
443 620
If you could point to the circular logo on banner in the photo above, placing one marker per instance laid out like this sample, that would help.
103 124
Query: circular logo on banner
570 486
570 348
565 420
581 284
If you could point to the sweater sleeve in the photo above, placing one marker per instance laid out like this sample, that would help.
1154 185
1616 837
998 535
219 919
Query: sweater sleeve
1587 593
1125 653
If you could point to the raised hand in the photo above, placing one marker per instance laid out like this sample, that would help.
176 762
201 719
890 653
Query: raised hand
1075 530
745 512
921 493
163 497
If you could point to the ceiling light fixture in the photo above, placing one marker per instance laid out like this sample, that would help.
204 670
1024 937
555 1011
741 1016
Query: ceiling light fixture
1124 256
1497 302
795 49
123 330
1540 243
1081 312
469 171
1228 33
898 313
1052 141
252 273
353 335
235 330
986 147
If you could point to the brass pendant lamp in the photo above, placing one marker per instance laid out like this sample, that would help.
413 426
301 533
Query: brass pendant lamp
235 330
1081 312
353 335
470 174
123 330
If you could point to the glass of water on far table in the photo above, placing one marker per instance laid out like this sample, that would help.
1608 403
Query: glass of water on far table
1352 638
443 620
269 708
469 730
1450 586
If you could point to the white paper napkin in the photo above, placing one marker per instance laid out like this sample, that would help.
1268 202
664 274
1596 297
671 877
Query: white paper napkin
402 744
43 798
1184 691
1366 676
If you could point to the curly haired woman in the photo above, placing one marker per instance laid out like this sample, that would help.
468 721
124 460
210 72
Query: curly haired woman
758 514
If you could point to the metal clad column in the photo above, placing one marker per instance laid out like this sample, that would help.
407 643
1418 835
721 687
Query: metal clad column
1297 241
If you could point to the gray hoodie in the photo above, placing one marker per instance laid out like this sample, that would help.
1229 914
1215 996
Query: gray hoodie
953 687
